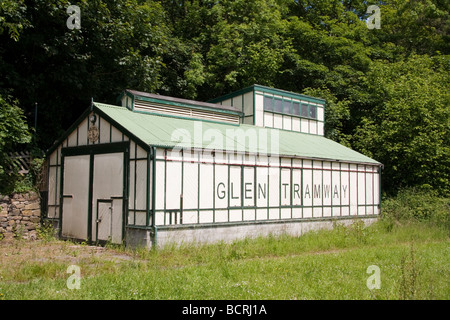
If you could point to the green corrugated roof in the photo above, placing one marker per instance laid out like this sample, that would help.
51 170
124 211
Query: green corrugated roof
165 131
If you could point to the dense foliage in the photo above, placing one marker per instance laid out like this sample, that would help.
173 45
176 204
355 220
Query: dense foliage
387 89
13 131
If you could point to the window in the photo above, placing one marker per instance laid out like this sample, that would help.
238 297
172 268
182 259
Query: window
289 107
268 105
286 107
312 112
296 108
278 105
304 110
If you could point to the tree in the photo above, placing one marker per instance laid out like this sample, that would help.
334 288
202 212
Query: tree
420 26
234 43
13 132
12 18
337 113
386 87
120 45
408 127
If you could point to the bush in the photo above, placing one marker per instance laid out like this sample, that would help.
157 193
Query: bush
13 132
46 232
417 205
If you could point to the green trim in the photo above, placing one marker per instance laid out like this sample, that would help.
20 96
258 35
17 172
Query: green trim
96 149
214 190
147 193
61 186
287 206
138 227
199 181
58 158
229 195
258 222
279 188
252 222
119 97
254 109
291 192
182 188
357 189
126 191
90 197
128 94
131 107
135 184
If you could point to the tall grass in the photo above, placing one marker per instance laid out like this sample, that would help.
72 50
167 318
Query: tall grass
409 244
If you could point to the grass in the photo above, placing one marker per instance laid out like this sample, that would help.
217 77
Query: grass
412 254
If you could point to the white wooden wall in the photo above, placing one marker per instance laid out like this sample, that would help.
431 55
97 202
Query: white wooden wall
239 187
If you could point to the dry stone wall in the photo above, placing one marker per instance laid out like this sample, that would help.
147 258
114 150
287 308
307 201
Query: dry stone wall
19 215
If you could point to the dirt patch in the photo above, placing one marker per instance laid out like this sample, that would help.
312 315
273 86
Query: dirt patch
55 250
22 260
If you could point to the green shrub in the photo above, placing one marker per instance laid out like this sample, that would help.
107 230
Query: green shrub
46 231
14 132
417 206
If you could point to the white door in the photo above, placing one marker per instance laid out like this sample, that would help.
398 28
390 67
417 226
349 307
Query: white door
104 220
76 197
107 197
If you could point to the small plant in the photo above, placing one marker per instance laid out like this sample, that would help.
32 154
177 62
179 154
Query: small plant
360 231
18 231
46 231
356 233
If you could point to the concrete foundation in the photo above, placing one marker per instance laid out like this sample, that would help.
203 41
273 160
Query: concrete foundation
200 234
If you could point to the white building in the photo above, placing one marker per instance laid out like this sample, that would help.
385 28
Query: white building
161 169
